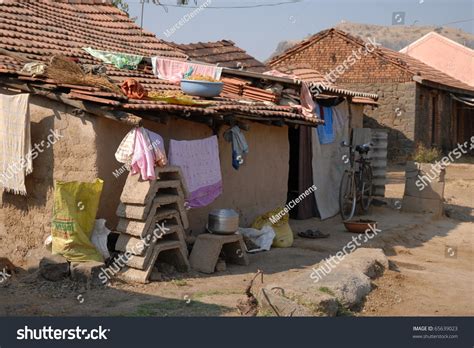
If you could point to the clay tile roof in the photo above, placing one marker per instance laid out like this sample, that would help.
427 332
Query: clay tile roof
403 61
224 52
39 28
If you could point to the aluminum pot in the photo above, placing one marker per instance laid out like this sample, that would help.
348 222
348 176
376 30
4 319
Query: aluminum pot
223 221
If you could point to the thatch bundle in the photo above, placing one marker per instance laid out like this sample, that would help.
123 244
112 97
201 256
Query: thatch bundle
63 70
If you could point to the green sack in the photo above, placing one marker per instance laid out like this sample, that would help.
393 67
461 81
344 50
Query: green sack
75 208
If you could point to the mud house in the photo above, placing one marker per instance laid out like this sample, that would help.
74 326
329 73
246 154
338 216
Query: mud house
92 121
417 102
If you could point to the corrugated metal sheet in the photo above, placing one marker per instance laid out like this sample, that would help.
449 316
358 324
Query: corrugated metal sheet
378 156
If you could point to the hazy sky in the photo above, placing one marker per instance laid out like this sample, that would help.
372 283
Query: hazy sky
258 30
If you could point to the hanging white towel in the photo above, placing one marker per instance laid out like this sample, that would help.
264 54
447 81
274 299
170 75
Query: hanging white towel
15 142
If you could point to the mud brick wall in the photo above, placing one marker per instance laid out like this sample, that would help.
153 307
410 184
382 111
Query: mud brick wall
371 74
396 113
86 152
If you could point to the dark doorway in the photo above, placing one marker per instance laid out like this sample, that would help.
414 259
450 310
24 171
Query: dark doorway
300 172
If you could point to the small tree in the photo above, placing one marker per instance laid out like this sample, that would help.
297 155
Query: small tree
121 4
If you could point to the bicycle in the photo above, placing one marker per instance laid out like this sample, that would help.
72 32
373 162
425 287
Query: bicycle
356 183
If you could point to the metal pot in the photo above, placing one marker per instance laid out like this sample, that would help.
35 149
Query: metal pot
223 221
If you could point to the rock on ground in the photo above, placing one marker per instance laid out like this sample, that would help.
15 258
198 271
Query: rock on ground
88 272
344 285
54 267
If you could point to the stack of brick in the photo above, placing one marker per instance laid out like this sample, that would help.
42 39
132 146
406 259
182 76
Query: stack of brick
152 224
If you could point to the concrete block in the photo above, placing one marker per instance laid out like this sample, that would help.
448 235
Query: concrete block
137 228
172 173
87 272
208 247
422 205
430 190
176 202
54 267
138 191
133 245
130 274
133 211
221 266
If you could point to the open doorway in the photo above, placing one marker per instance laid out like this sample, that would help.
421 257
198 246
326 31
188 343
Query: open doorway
300 176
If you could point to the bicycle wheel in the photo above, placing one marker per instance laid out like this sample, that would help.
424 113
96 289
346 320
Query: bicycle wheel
347 196
366 188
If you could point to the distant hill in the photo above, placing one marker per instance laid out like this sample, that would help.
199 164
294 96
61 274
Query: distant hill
394 37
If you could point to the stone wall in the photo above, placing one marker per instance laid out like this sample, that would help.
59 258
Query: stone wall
87 150
396 113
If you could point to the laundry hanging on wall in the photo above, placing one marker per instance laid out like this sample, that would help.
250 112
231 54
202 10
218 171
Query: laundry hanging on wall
141 150
326 131
239 145
328 163
200 164
16 155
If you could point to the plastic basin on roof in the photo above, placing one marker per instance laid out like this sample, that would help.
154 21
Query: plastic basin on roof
201 88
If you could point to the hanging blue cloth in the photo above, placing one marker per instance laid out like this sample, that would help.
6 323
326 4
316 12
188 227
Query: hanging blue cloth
325 132
239 145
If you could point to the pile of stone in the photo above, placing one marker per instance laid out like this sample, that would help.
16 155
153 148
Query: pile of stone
152 224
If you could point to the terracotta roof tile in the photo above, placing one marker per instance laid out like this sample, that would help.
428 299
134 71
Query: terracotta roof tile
39 29
403 61
50 26
224 52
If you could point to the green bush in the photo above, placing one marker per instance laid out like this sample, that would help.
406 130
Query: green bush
425 155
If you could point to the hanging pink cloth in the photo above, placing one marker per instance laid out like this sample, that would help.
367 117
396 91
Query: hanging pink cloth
174 70
143 160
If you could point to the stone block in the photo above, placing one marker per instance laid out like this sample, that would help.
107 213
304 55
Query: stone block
208 247
175 256
87 272
54 267
133 211
137 228
138 191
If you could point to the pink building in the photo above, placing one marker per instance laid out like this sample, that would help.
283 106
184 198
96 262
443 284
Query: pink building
445 55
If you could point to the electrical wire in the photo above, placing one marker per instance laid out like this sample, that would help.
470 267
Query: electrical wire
158 3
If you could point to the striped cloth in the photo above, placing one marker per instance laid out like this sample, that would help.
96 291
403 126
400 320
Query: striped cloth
15 143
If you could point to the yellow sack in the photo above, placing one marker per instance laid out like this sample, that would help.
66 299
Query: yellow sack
284 234
75 208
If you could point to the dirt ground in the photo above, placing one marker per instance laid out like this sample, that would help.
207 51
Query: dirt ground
431 269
